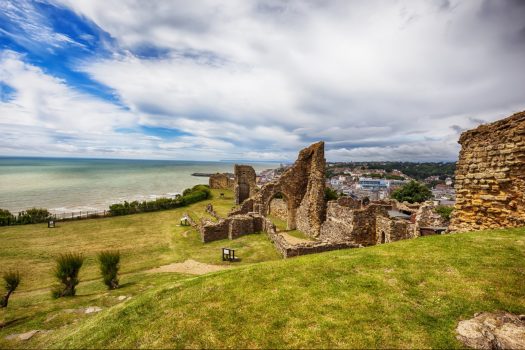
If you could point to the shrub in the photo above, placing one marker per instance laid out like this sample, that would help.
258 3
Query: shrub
33 216
190 195
330 194
412 192
444 211
6 218
12 280
66 271
109 261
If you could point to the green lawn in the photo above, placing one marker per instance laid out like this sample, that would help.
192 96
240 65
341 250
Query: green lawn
281 225
407 294
145 240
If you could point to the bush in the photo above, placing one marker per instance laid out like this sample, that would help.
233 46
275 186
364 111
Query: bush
444 211
33 216
330 194
412 192
66 271
109 261
189 196
6 218
12 280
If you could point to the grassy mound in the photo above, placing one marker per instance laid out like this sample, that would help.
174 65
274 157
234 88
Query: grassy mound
408 294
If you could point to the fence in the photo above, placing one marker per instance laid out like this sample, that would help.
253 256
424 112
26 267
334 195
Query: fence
89 214
63 216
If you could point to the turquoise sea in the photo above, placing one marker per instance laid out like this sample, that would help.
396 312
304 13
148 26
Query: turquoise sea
64 185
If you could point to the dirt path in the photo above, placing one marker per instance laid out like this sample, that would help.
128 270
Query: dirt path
189 266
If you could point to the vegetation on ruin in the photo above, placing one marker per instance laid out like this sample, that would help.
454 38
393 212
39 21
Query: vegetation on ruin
412 192
405 294
330 194
444 211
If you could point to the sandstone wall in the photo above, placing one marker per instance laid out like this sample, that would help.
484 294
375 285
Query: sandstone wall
232 227
426 216
303 187
391 230
221 182
346 224
490 176
214 231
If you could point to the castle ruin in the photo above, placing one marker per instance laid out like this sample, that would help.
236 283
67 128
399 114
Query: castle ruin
297 197
221 181
244 184
490 176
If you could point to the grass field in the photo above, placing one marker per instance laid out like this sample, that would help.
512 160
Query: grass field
407 294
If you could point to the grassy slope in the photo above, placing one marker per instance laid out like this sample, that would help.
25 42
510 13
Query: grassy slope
145 241
404 294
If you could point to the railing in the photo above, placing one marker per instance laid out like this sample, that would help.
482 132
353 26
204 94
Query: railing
63 216
88 214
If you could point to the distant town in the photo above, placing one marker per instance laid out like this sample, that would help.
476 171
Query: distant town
377 180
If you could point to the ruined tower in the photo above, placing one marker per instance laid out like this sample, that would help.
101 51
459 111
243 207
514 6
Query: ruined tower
244 183
490 176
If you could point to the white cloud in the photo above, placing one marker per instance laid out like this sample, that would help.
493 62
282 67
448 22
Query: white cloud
374 79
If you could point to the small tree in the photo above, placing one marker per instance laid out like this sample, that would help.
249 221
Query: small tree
66 271
12 280
412 192
109 265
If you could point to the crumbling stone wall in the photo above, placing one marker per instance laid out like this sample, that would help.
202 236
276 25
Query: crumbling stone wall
303 187
214 231
221 181
231 227
245 182
426 216
391 230
351 223
490 176
278 209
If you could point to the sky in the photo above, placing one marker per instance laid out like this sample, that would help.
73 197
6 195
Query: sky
255 80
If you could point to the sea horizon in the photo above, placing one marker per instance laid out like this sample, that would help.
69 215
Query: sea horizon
69 184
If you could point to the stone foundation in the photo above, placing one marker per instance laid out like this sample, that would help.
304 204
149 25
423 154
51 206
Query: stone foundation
490 176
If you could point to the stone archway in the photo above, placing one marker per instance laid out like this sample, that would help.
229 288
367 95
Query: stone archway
279 207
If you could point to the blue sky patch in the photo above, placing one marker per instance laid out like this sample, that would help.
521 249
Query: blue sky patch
6 92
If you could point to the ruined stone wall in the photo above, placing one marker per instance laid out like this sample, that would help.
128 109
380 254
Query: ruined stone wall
279 208
240 225
221 182
490 176
346 224
231 227
426 216
391 230
214 231
245 182
303 186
